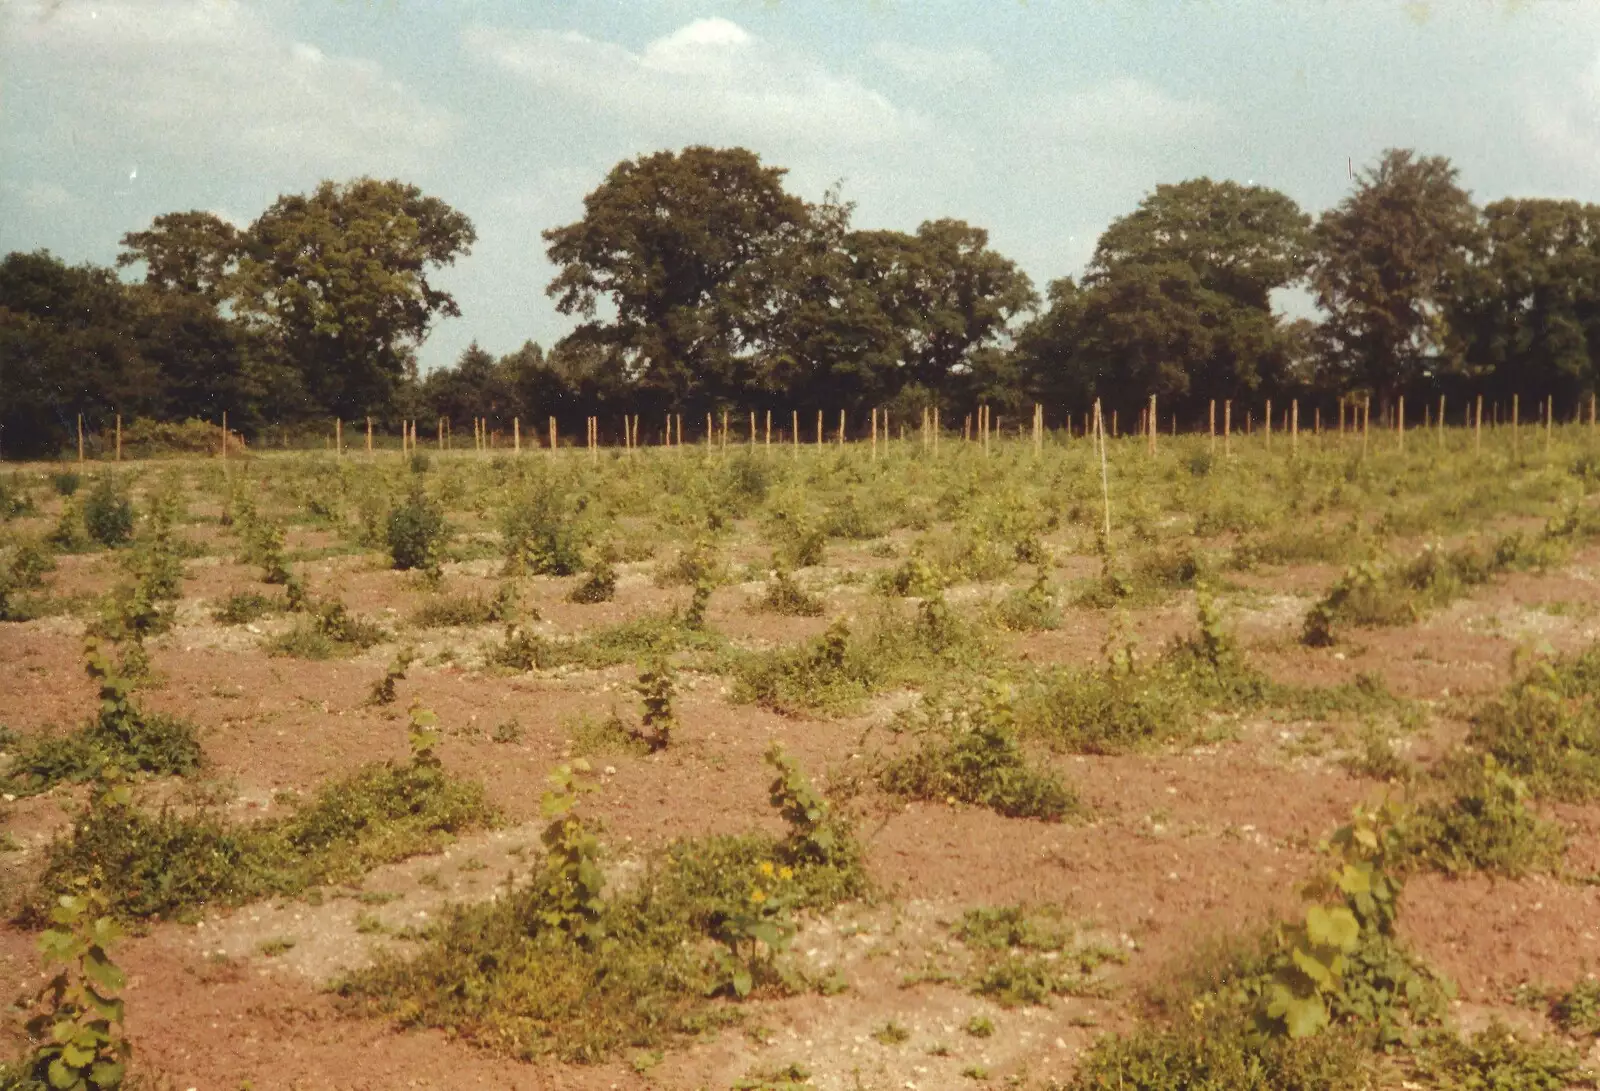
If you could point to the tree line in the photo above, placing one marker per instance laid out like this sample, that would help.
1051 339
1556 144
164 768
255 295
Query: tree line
699 283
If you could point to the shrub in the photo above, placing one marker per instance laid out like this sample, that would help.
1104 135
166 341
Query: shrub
65 482
600 586
416 532
540 535
1577 1011
971 754
784 595
108 512
1029 609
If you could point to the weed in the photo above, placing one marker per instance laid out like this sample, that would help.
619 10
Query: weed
243 607
65 482
506 731
539 534
891 1034
1497 1057
1031 609
1025 956
120 735
980 1026
275 946
1545 727
790 1077
444 611
1484 826
557 967
784 595
1577 1011
970 753
169 863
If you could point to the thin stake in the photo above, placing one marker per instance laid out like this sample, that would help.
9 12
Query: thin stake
1227 428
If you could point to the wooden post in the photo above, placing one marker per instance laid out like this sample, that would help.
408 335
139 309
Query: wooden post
1269 424
752 429
841 428
119 437
680 432
1316 419
769 430
1155 424
794 428
1213 426
1477 428
224 436
1400 421
554 437
338 436
874 433
1366 420
1227 428
724 429
1294 426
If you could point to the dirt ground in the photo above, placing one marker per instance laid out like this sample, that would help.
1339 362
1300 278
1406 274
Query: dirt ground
1179 845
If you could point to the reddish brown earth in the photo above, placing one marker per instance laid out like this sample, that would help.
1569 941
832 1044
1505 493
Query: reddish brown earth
1179 846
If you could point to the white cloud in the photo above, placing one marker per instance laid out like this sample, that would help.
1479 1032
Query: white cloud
709 80
1564 122
1124 112
213 82
941 65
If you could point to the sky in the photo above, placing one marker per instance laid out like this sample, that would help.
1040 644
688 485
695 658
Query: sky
1039 121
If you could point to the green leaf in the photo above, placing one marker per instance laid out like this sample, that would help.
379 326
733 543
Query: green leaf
63 1078
102 971
742 982
1332 926
1312 968
1304 1016
107 1074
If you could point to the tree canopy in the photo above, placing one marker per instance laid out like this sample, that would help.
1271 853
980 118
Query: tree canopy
698 282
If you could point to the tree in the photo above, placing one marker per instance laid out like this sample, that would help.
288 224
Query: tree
68 345
664 241
823 337
1529 310
340 279
1388 263
1244 242
947 295
193 253
1177 301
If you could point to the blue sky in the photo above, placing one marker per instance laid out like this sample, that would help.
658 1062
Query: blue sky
1040 121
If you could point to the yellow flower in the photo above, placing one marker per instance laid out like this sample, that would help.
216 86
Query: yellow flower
786 873
758 896
766 868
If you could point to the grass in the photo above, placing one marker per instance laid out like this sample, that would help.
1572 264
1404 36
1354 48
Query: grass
445 611
1024 956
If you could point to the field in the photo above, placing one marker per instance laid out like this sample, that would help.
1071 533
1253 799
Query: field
835 766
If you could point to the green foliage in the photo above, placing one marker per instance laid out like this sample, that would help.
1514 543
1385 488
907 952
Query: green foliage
120 735
65 482
557 967
170 863
1343 963
243 607
108 512
1545 727
784 595
383 690
416 532
599 586
1024 956
540 534
1029 609
655 696
443 611
1577 1011
325 628
1218 1052
1484 826
1499 1059
80 1045
970 753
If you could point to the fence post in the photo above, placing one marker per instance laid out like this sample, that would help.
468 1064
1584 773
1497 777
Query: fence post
1212 418
1269 424
1227 428
1400 421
